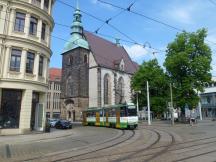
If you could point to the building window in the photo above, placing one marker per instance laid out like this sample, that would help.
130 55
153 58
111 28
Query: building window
36 2
43 31
46 5
40 71
122 67
85 59
120 91
10 108
19 22
30 62
15 60
33 26
70 60
107 90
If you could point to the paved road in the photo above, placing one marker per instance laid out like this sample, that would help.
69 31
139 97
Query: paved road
158 142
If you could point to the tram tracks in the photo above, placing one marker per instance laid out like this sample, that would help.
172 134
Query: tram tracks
129 155
66 155
154 151
147 153
103 148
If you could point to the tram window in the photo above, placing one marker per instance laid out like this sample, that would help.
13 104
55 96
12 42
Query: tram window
123 112
101 113
91 114
112 113
132 112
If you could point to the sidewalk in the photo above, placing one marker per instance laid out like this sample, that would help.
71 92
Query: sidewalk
36 136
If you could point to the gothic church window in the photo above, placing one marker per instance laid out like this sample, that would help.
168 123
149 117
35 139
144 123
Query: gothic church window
107 89
120 90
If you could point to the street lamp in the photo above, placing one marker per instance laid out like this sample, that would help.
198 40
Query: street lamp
148 103
171 104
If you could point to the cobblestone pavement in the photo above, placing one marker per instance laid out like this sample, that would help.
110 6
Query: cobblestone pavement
158 142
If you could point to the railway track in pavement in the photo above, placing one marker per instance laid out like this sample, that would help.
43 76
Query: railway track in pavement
89 149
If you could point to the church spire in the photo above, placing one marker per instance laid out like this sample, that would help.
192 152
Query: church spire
77 4
77 35
77 23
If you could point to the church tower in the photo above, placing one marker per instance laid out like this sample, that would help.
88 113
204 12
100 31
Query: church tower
75 72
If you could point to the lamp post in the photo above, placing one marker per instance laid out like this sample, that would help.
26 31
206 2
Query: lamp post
137 94
149 115
171 104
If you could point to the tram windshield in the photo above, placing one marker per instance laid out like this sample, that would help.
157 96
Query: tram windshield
132 110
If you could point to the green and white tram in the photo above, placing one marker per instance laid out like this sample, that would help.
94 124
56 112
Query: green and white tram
117 116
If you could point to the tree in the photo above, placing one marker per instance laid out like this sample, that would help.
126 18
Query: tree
187 63
158 86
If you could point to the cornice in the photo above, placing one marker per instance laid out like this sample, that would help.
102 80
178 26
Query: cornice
25 81
31 42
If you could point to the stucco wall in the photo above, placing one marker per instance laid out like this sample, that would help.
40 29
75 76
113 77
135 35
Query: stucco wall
93 82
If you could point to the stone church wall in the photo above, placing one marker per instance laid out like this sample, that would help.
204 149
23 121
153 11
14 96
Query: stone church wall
75 83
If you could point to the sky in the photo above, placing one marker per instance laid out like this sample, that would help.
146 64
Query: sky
188 15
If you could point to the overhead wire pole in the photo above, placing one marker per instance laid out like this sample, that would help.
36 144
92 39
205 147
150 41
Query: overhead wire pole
148 103
137 104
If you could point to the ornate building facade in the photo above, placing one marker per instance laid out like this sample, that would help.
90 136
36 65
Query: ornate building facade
53 108
95 72
25 28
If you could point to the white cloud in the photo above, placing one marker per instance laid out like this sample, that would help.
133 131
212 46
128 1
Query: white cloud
136 52
184 12
180 14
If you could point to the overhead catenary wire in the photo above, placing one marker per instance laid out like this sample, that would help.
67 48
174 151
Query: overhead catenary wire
140 14
152 19
62 39
105 35
99 19
115 16
132 41
128 9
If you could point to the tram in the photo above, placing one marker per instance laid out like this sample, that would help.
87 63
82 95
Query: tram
122 116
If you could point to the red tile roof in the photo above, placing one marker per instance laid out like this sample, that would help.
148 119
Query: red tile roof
107 53
55 74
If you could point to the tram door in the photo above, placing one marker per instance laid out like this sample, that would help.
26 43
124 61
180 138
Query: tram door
84 118
117 118
97 119
107 121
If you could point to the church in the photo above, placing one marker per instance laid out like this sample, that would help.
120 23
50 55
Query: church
95 72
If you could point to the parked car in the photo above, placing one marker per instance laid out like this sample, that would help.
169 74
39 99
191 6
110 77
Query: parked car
63 124
53 122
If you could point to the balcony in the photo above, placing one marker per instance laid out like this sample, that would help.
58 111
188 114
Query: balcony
37 3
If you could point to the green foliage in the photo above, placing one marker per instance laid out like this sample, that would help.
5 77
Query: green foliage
187 63
158 85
